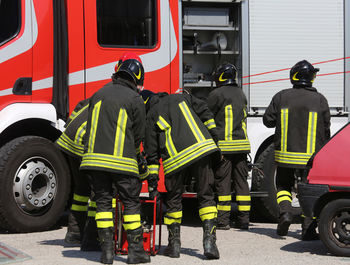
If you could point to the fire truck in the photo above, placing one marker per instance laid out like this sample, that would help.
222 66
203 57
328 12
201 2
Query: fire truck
55 53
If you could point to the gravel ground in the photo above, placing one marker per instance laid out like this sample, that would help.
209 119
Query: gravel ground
259 245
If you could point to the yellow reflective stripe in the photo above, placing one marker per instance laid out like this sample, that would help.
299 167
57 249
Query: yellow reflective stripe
104 215
191 122
210 124
80 198
80 134
284 129
225 198
224 207
175 214
169 221
92 204
243 208
104 224
79 208
144 175
228 122
234 145
209 209
120 134
292 157
153 169
114 203
243 198
91 213
94 122
284 192
110 161
163 125
131 226
283 198
132 218
244 124
208 216
76 114
188 154
65 142
311 132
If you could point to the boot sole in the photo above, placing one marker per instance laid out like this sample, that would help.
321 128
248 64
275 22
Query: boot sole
211 256
138 261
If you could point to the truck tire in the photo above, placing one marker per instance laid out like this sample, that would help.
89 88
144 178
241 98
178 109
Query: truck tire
267 207
334 227
34 184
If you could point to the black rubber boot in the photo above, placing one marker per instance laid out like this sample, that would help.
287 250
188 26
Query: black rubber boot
284 223
136 252
242 221
90 240
75 229
106 236
209 239
174 243
309 229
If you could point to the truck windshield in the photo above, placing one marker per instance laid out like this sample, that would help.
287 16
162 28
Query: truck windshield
9 19
129 23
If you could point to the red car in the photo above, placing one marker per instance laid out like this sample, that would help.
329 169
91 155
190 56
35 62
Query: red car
326 195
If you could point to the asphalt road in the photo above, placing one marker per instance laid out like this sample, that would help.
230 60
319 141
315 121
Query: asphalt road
260 245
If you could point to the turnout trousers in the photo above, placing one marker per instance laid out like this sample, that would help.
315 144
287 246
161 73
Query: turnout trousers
81 194
128 188
204 178
232 168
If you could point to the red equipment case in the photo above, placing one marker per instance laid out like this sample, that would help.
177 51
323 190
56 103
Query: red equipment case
149 235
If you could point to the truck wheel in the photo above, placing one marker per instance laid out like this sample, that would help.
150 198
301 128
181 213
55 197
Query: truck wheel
34 184
267 207
334 227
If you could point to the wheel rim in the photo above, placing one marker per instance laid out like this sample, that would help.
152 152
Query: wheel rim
34 186
339 227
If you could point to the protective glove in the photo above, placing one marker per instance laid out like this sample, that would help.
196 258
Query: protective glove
142 165
153 186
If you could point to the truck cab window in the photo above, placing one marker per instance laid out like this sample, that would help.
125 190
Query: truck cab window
128 23
9 19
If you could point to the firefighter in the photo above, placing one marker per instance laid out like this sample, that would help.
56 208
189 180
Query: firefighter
71 143
228 104
302 119
114 132
175 132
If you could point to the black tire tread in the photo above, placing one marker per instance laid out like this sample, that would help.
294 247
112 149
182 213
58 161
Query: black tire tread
5 154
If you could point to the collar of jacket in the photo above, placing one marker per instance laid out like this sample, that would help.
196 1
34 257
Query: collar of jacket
127 83
307 88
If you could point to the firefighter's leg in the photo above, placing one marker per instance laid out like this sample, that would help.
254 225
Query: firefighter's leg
129 189
240 183
222 175
284 183
78 211
173 216
102 187
204 175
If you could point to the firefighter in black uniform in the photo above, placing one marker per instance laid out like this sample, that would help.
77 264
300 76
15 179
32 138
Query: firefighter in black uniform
115 130
228 104
175 132
71 143
302 119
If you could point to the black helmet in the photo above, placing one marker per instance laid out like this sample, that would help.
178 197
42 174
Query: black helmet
146 96
303 74
225 74
134 69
